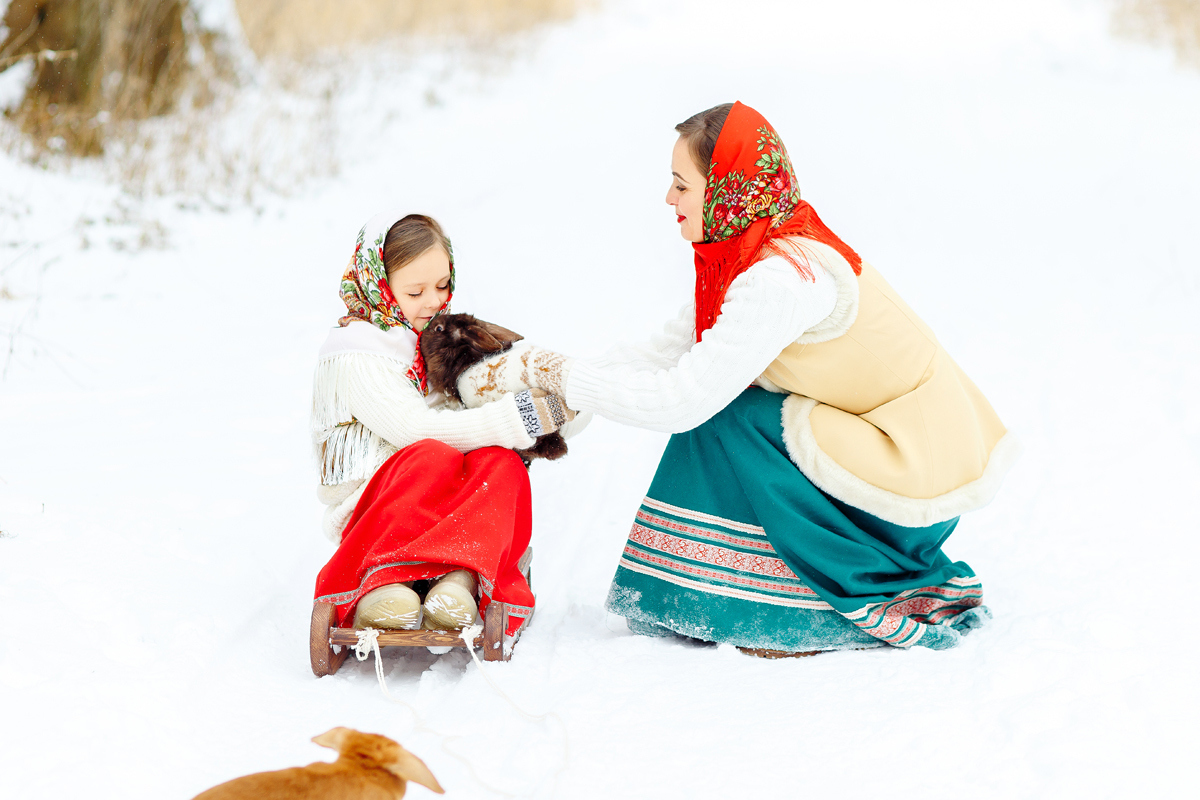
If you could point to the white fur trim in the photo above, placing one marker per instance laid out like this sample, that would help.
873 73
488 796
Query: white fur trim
846 310
764 382
835 480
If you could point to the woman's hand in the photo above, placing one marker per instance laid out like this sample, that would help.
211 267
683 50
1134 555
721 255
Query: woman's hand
522 366
542 412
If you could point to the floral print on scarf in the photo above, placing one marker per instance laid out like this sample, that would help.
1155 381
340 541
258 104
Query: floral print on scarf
369 298
733 201
751 204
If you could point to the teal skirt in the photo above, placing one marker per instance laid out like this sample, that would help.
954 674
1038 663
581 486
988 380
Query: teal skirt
734 544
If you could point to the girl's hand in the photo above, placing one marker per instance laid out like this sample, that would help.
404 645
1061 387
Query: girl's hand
523 366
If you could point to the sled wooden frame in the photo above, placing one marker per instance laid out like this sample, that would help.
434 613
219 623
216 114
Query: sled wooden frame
324 635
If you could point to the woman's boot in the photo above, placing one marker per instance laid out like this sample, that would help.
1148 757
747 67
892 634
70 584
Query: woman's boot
393 606
450 604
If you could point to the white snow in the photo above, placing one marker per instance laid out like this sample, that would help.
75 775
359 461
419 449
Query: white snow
1027 181
13 81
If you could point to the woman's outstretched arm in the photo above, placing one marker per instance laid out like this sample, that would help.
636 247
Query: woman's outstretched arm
766 309
664 349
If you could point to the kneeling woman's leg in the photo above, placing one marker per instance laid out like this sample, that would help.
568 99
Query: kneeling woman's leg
429 510
698 562
733 544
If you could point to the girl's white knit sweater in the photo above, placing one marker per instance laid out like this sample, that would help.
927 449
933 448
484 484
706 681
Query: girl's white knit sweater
674 383
365 408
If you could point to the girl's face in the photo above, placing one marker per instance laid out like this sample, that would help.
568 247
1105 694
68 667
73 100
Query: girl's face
422 286
686 194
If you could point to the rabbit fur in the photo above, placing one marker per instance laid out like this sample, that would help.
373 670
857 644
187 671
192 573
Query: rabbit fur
454 342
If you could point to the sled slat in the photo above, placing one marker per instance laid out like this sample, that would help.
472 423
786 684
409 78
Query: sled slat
348 638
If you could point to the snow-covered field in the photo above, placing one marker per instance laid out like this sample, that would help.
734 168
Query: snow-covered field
1029 182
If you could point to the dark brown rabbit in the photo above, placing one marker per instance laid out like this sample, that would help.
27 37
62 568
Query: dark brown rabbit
454 342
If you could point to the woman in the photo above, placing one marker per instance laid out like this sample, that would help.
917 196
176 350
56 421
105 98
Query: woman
415 487
808 511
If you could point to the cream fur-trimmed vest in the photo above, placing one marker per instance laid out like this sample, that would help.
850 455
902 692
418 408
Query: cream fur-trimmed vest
880 416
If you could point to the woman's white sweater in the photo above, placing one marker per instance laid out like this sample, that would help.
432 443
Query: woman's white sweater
673 383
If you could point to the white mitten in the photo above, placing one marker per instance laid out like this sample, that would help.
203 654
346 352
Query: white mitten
522 366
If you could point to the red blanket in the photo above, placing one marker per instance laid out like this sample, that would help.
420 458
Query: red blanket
431 509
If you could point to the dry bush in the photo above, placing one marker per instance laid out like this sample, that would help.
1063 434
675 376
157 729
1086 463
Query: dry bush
100 63
1175 23
178 110
296 29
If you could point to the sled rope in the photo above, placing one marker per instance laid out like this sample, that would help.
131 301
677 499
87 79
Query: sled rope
368 643
468 636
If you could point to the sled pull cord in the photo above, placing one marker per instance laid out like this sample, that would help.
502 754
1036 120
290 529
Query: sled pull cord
368 643
468 636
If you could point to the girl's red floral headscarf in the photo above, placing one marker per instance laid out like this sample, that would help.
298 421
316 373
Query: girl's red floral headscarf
369 298
750 202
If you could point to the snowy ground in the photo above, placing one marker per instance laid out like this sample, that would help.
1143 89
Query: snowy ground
1026 180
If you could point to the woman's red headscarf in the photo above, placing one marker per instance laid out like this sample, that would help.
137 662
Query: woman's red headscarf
750 202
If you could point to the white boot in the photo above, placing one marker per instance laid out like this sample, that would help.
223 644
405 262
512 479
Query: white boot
393 606
450 604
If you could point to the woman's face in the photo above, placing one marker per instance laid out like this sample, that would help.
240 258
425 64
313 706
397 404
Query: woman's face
422 286
686 194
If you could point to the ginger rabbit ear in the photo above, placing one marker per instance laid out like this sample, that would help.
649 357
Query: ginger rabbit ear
411 768
333 738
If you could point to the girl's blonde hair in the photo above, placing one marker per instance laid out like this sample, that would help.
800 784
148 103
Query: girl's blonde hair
409 239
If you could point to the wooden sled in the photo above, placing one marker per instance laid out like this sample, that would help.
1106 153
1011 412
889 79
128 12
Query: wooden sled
324 634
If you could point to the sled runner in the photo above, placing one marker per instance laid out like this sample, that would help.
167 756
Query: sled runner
330 645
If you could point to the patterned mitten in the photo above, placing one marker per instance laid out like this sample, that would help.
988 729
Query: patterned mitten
522 366
542 412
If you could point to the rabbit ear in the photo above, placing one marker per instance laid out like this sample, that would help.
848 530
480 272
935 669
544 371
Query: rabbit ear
411 768
501 336
333 738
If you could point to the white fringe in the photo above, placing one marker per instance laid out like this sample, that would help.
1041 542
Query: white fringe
345 450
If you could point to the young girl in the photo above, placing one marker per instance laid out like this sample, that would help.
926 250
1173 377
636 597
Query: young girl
415 488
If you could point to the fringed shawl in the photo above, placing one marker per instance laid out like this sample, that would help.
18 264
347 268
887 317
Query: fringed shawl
751 202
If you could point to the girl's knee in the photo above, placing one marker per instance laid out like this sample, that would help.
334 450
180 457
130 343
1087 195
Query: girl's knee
432 448
503 461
